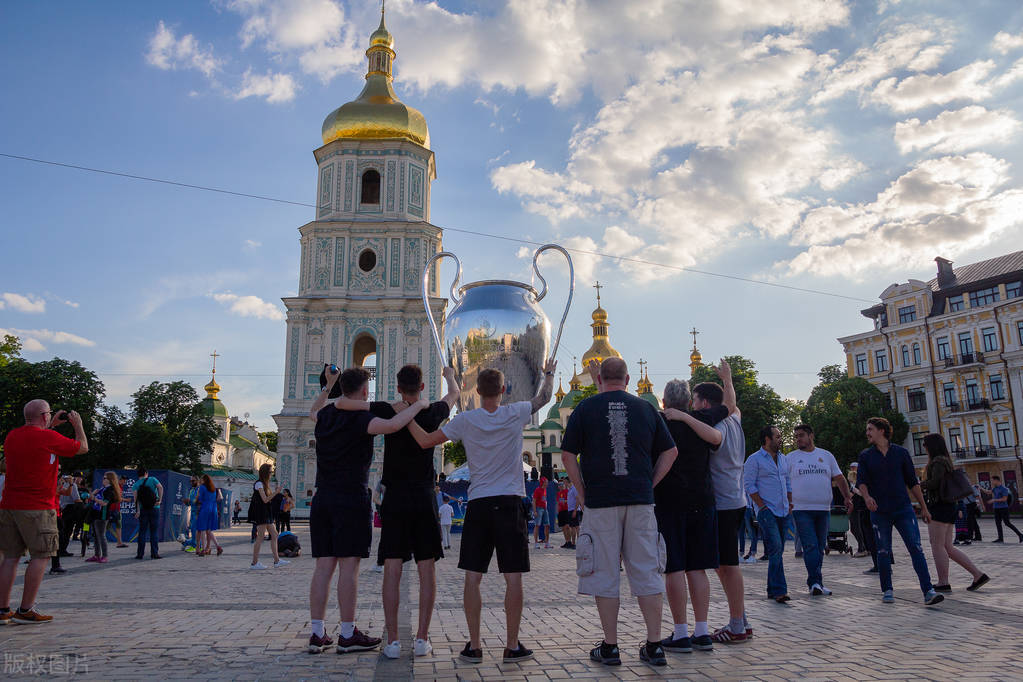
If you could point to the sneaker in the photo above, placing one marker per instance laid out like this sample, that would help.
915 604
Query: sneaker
549 546
860 555
571 545
705 643
378 568
606 653
763 558
5 618
782 598
749 632
422 647
536 546
471 655
726 636
92 559
357 642
565 546
978 583
281 562
29 616
139 557
998 540
318 645
799 555
747 557
932 598
392 650
155 557
520 653
682 645
816 590
826 591
871 570
942 588
258 566
57 571
652 653
888 597
102 560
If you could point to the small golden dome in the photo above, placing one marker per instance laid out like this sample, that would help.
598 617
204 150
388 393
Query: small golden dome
599 315
212 389
381 36
695 357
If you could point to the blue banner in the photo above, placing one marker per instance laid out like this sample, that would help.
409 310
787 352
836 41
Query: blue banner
172 516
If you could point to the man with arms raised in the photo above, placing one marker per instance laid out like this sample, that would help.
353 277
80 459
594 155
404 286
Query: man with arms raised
494 515
28 518
617 438
340 517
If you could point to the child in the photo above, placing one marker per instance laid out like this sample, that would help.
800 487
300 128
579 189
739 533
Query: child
446 513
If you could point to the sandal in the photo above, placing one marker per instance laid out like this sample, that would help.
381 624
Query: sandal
220 550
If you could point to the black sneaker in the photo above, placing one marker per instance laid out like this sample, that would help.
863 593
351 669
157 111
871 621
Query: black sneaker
705 643
682 645
978 583
520 653
871 570
998 540
942 588
318 645
357 642
471 655
606 653
652 653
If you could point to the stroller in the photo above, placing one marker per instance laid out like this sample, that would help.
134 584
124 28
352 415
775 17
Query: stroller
838 525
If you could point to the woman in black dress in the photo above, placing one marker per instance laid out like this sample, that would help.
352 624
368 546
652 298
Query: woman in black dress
261 518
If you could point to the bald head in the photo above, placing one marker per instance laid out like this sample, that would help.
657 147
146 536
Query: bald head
614 371
36 411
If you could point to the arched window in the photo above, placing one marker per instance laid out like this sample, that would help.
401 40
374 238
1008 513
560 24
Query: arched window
917 359
554 439
371 187
905 356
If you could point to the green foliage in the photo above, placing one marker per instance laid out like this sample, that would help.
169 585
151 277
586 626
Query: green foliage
169 429
10 347
269 440
759 404
454 453
109 445
790 416
586 392
838 410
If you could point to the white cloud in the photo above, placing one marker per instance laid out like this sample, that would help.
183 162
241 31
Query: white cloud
275 87
252 244
1004 43
916 92
27 303
250 306
167 51
32 339
956 131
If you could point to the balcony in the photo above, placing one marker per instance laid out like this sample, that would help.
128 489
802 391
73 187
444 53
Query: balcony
983 452
964 360
971 406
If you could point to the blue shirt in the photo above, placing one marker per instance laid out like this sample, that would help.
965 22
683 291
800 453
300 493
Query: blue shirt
150 482
1000 491
770 478
887 477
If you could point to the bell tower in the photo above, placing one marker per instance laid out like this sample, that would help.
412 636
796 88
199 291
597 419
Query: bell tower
358 301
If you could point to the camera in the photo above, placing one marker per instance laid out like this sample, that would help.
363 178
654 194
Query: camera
334 369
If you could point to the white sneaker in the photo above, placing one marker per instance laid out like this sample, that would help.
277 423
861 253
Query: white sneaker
547 546
281 562
422 647
258 566
536 546
378 568
825 591
392 650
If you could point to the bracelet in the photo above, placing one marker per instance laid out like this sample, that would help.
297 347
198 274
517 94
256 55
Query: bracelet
548 374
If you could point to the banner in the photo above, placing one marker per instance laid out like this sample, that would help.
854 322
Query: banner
171 522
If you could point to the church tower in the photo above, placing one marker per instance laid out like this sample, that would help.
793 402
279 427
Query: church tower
600 349
358 301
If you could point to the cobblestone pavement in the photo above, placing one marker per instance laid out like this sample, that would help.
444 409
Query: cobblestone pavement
211 618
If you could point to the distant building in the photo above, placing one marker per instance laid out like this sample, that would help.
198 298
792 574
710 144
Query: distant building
948 353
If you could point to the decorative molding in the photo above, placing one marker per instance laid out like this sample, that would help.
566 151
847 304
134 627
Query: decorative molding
349 175
413 264
374 279
416 190
339 261
391 168
322 260
326 176
401 189
395 255
293 361
377 152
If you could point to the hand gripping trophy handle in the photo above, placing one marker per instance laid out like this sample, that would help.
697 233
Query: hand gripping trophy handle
454 296
543 290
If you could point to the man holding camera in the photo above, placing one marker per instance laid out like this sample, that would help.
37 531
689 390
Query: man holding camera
28 519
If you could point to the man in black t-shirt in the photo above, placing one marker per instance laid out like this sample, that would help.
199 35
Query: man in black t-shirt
408 512
340 519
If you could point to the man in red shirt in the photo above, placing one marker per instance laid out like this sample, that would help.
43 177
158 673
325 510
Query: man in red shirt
540 516
28 519
564 517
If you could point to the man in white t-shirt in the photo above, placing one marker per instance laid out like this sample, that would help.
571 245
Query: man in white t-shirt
812 473
447 513
494 516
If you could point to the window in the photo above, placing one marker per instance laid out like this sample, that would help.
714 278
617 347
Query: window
972 392
312 444
955 439
1003 432
367 260
905 356
917 358
918 444
886 398
989 338
1019 331
955 303
881 360
917 400
861 364
312 378
978 433
1014 289
984 297
966 343
943 348
997 387
370 187
907 314
949 394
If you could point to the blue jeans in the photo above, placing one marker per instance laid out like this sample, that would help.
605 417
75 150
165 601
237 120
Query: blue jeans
812 530
748 529
149 519
773 529
904 520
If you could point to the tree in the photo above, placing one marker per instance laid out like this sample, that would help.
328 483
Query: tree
585 393
759 404
790 416
169 428
454 453
109 446
269 440
838 410
10 347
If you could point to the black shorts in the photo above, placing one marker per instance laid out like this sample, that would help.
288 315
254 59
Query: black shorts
491 523
690 537
340 525
942 512
409 526
574 521
563 517
729 523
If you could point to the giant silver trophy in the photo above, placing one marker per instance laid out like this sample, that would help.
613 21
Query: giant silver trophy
497 324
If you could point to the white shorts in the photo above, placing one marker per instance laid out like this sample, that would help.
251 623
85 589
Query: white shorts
611 535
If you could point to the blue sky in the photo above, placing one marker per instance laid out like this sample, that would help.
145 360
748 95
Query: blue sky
823 145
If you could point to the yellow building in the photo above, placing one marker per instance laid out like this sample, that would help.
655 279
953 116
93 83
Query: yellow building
948 353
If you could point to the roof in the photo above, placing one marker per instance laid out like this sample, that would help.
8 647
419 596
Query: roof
212 407
984 270
554 412
551 424
551 449
651 398
226 472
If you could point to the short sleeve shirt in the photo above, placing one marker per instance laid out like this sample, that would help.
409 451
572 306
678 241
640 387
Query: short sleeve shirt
344 451
150 482
810 475
1000 491
688 483
617 437
405 463
493 448
31 454
540 496
726 464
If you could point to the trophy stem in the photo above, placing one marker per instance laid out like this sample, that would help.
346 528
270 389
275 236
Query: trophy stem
454 297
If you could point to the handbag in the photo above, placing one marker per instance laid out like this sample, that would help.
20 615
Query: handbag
955 486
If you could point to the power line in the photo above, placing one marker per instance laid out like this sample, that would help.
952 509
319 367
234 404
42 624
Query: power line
517 240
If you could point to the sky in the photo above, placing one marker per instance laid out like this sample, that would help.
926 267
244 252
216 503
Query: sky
824 149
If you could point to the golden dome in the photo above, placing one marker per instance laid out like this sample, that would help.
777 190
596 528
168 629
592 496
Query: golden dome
377 113
212 389
560 395
601 348
696 357
599 315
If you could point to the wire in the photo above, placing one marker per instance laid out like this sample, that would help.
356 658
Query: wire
517 240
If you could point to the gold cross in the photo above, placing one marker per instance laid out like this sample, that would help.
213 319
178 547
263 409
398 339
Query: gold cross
694 333
598 286
642 363
214 355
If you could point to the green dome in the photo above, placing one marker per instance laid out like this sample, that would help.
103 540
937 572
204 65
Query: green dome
212 407
570 397
651 398
554 413
551 424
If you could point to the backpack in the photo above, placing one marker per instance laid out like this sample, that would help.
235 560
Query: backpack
146 496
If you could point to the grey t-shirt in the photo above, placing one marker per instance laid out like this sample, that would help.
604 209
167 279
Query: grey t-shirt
726 464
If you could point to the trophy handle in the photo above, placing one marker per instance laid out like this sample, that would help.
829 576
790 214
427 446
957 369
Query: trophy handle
543 290
426 299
